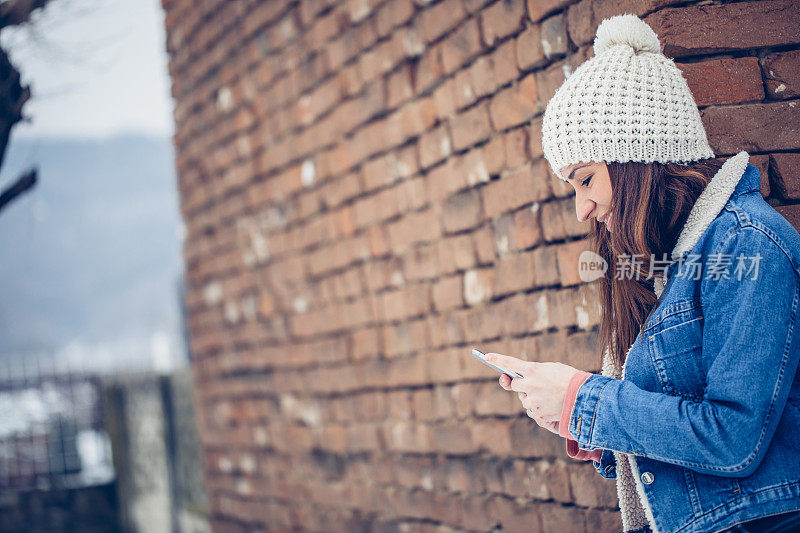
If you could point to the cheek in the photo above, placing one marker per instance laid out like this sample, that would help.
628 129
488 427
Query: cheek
607 191
603 196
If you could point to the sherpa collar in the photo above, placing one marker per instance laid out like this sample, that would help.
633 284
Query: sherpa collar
710 202
726 182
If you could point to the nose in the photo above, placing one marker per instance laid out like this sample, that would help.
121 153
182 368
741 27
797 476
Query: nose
583 208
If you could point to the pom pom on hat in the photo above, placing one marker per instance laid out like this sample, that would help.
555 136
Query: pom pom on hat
626 29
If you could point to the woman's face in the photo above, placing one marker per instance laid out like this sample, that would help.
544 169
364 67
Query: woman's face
592 190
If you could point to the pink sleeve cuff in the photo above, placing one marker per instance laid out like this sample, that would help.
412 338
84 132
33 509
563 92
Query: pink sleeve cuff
569 401
566 413
582 455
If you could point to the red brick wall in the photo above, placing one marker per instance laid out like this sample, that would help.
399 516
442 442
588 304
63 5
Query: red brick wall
365 199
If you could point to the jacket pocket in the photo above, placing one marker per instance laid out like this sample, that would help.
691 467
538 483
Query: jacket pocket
677 354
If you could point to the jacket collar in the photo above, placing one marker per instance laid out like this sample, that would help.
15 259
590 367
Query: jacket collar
736 176
730 180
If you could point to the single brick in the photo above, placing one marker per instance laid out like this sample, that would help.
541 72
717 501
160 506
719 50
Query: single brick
545 266
516 314
753 127
434 146
538 9
782 74
535 138
421 263
462 211
504 62
489 160
481 77
461 46
441 18
786 175
471 126
553 227
492 436
514 273
530 53
724 81
515 105
508 193
456 253
444 99
516 142
392 14
501 19
554 36
563 307
568 260
556 518
452 438
429 68
464 93
483 242
527 227
399 87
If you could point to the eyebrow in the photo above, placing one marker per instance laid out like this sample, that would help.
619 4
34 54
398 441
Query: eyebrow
574 170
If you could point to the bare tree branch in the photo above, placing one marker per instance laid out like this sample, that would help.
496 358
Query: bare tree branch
13 12
23 183
12 94
12 97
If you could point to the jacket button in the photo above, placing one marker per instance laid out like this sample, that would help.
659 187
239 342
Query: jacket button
608 469
647 478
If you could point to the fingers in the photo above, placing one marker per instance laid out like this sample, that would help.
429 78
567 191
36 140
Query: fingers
505 382
549 426
518 384
507 362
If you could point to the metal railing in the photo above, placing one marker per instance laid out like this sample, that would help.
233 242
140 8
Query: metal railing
52 432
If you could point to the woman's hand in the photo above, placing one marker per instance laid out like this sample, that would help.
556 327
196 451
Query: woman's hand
542 388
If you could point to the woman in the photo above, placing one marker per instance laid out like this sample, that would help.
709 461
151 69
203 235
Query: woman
700 305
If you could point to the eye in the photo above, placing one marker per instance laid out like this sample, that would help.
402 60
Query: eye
585 182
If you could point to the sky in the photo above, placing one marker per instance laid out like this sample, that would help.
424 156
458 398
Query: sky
100 99
97 68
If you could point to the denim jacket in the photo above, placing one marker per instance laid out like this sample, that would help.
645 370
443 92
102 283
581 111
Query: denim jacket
709 403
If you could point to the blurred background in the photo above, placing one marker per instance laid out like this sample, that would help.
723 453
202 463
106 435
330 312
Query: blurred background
97 429
247 246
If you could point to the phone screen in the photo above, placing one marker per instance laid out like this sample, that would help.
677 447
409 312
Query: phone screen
477 354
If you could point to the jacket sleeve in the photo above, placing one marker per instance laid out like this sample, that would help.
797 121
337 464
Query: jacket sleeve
605 469
749 338
566 410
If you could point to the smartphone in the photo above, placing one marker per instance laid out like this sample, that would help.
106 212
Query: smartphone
477 354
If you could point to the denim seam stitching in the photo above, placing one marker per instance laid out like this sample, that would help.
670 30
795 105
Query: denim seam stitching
784 360
594 412
765 489
694 303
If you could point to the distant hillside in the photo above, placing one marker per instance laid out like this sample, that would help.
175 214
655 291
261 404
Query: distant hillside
91 256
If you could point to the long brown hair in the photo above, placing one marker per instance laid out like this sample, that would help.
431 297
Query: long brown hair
650 203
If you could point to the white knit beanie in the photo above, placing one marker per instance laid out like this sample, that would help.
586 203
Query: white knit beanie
627 103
